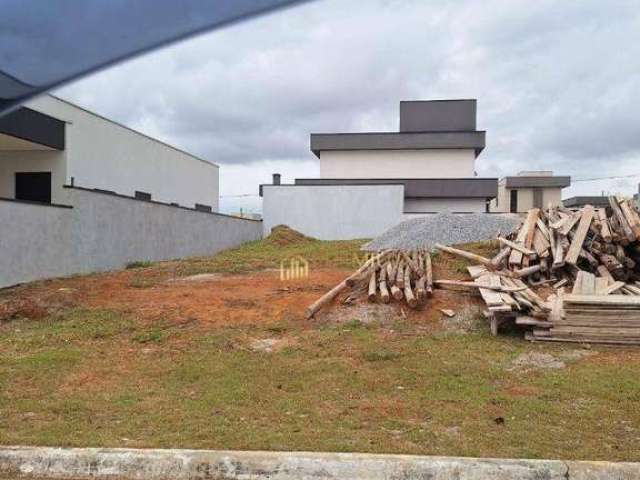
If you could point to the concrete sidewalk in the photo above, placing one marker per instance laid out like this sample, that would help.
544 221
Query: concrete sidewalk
97 463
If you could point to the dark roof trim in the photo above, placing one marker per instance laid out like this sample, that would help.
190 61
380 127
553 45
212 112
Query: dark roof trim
397 141
596 201
537 182
417 187
35 127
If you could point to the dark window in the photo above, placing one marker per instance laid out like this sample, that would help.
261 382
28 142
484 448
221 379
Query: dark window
513 201
33 186
143 195
203 208
537 198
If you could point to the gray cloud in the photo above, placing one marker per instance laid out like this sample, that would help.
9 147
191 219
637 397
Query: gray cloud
557 83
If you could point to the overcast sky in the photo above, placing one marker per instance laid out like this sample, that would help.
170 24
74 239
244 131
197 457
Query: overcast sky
557 83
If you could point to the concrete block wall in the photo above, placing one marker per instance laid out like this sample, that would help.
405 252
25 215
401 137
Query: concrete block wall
333 212
105 232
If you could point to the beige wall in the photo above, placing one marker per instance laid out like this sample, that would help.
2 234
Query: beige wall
525 198
439 163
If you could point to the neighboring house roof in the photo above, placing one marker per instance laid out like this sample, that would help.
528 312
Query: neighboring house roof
418 187
424 124
451 115
397 141
596 201
537 182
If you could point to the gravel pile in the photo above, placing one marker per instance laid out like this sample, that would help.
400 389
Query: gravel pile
445 228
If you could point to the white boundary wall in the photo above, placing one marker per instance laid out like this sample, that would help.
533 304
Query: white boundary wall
105 232
333 212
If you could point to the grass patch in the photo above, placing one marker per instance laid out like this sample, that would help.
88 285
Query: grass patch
138 264
155 335
337 390
104 378
282 245
141 283
380 356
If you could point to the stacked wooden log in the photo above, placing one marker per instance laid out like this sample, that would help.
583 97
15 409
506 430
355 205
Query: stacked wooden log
400 275
596 252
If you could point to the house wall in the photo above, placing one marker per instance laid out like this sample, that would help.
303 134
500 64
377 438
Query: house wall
103 154
422 205
335 212
33 161
525 198
438 163
104 232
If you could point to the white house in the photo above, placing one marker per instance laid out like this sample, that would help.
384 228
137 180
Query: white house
529 189
80 193
50 143
371 181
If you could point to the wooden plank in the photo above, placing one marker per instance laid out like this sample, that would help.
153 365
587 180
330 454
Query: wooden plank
601 285
490 297
611 288
531 321
476 270
622 222
500 257
608 300
605 231
557 312
532 218
560 283
517 246
632 218
577 285
429 273
468 255
516 257
604 273
569 223
540 244
601 313
543 228
580 235
531 337
588 284
630 331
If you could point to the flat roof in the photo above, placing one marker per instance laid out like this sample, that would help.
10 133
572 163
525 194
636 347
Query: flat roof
417 187
526 181
35 127
579 201
397 141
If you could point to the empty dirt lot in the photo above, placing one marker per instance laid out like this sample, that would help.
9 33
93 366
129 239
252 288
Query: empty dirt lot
215 353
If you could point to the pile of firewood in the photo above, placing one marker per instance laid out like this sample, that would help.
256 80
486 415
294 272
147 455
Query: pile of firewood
595 252
392 274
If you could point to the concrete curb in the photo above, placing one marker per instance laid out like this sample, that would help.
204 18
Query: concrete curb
132 464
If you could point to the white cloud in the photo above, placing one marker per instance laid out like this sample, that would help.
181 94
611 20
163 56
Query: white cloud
557 84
